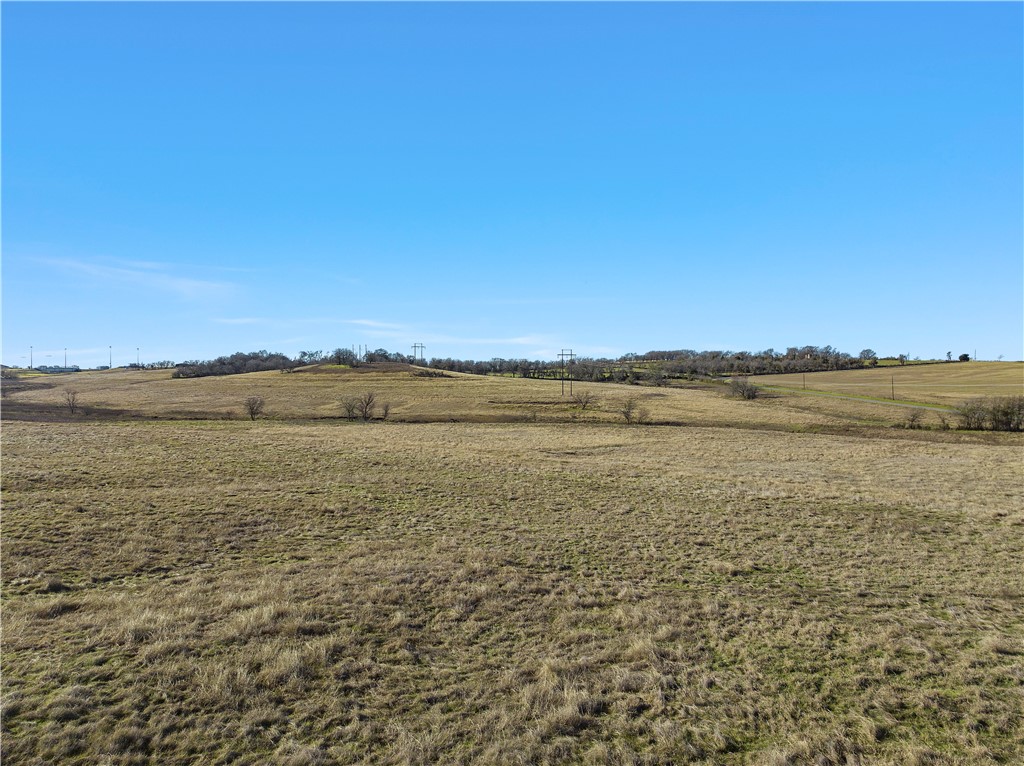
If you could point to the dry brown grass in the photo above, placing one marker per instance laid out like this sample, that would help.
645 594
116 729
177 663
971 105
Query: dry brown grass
947 384
565 592
321 393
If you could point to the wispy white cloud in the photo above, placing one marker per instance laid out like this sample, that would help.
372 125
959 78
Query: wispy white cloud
142 274
374 324
293 321
391 334
130 264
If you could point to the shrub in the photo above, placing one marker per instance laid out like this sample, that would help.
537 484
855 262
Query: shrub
71 401
584 399
628 410
1004 413
743 388
254 406
971 415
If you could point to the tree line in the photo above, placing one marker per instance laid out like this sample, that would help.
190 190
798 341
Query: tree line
653 367
262 361
658 366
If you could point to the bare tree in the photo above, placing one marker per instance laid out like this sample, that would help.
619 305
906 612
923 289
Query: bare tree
628 410
351 406
71 401
367 403
743 388
584 399
254 406
385 410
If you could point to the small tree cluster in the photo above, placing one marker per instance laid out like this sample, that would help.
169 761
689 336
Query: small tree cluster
345 356
1005 413
365 407
255 361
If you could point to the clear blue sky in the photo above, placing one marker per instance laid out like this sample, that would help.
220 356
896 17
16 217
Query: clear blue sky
507 180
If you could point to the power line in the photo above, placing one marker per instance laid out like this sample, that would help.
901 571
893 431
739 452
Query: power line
566 354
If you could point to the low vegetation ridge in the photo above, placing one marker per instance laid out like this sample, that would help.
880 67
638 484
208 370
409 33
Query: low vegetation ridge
406 392
654 366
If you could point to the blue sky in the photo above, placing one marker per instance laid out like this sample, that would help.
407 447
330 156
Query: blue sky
193 179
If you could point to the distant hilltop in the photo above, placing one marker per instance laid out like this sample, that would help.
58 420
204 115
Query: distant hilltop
55 369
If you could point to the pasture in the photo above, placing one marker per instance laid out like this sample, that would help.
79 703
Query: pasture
943 384
496 576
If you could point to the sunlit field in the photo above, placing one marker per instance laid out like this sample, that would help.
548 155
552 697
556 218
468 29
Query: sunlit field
495 575
946 384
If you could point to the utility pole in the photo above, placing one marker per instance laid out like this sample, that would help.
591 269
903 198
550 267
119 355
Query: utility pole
421 348
137 357
65 359
110 361
31 366
566 354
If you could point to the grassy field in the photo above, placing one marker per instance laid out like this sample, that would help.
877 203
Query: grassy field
494 576
318 394
944 384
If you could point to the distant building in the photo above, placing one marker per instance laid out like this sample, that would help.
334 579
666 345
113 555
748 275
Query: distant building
54 369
